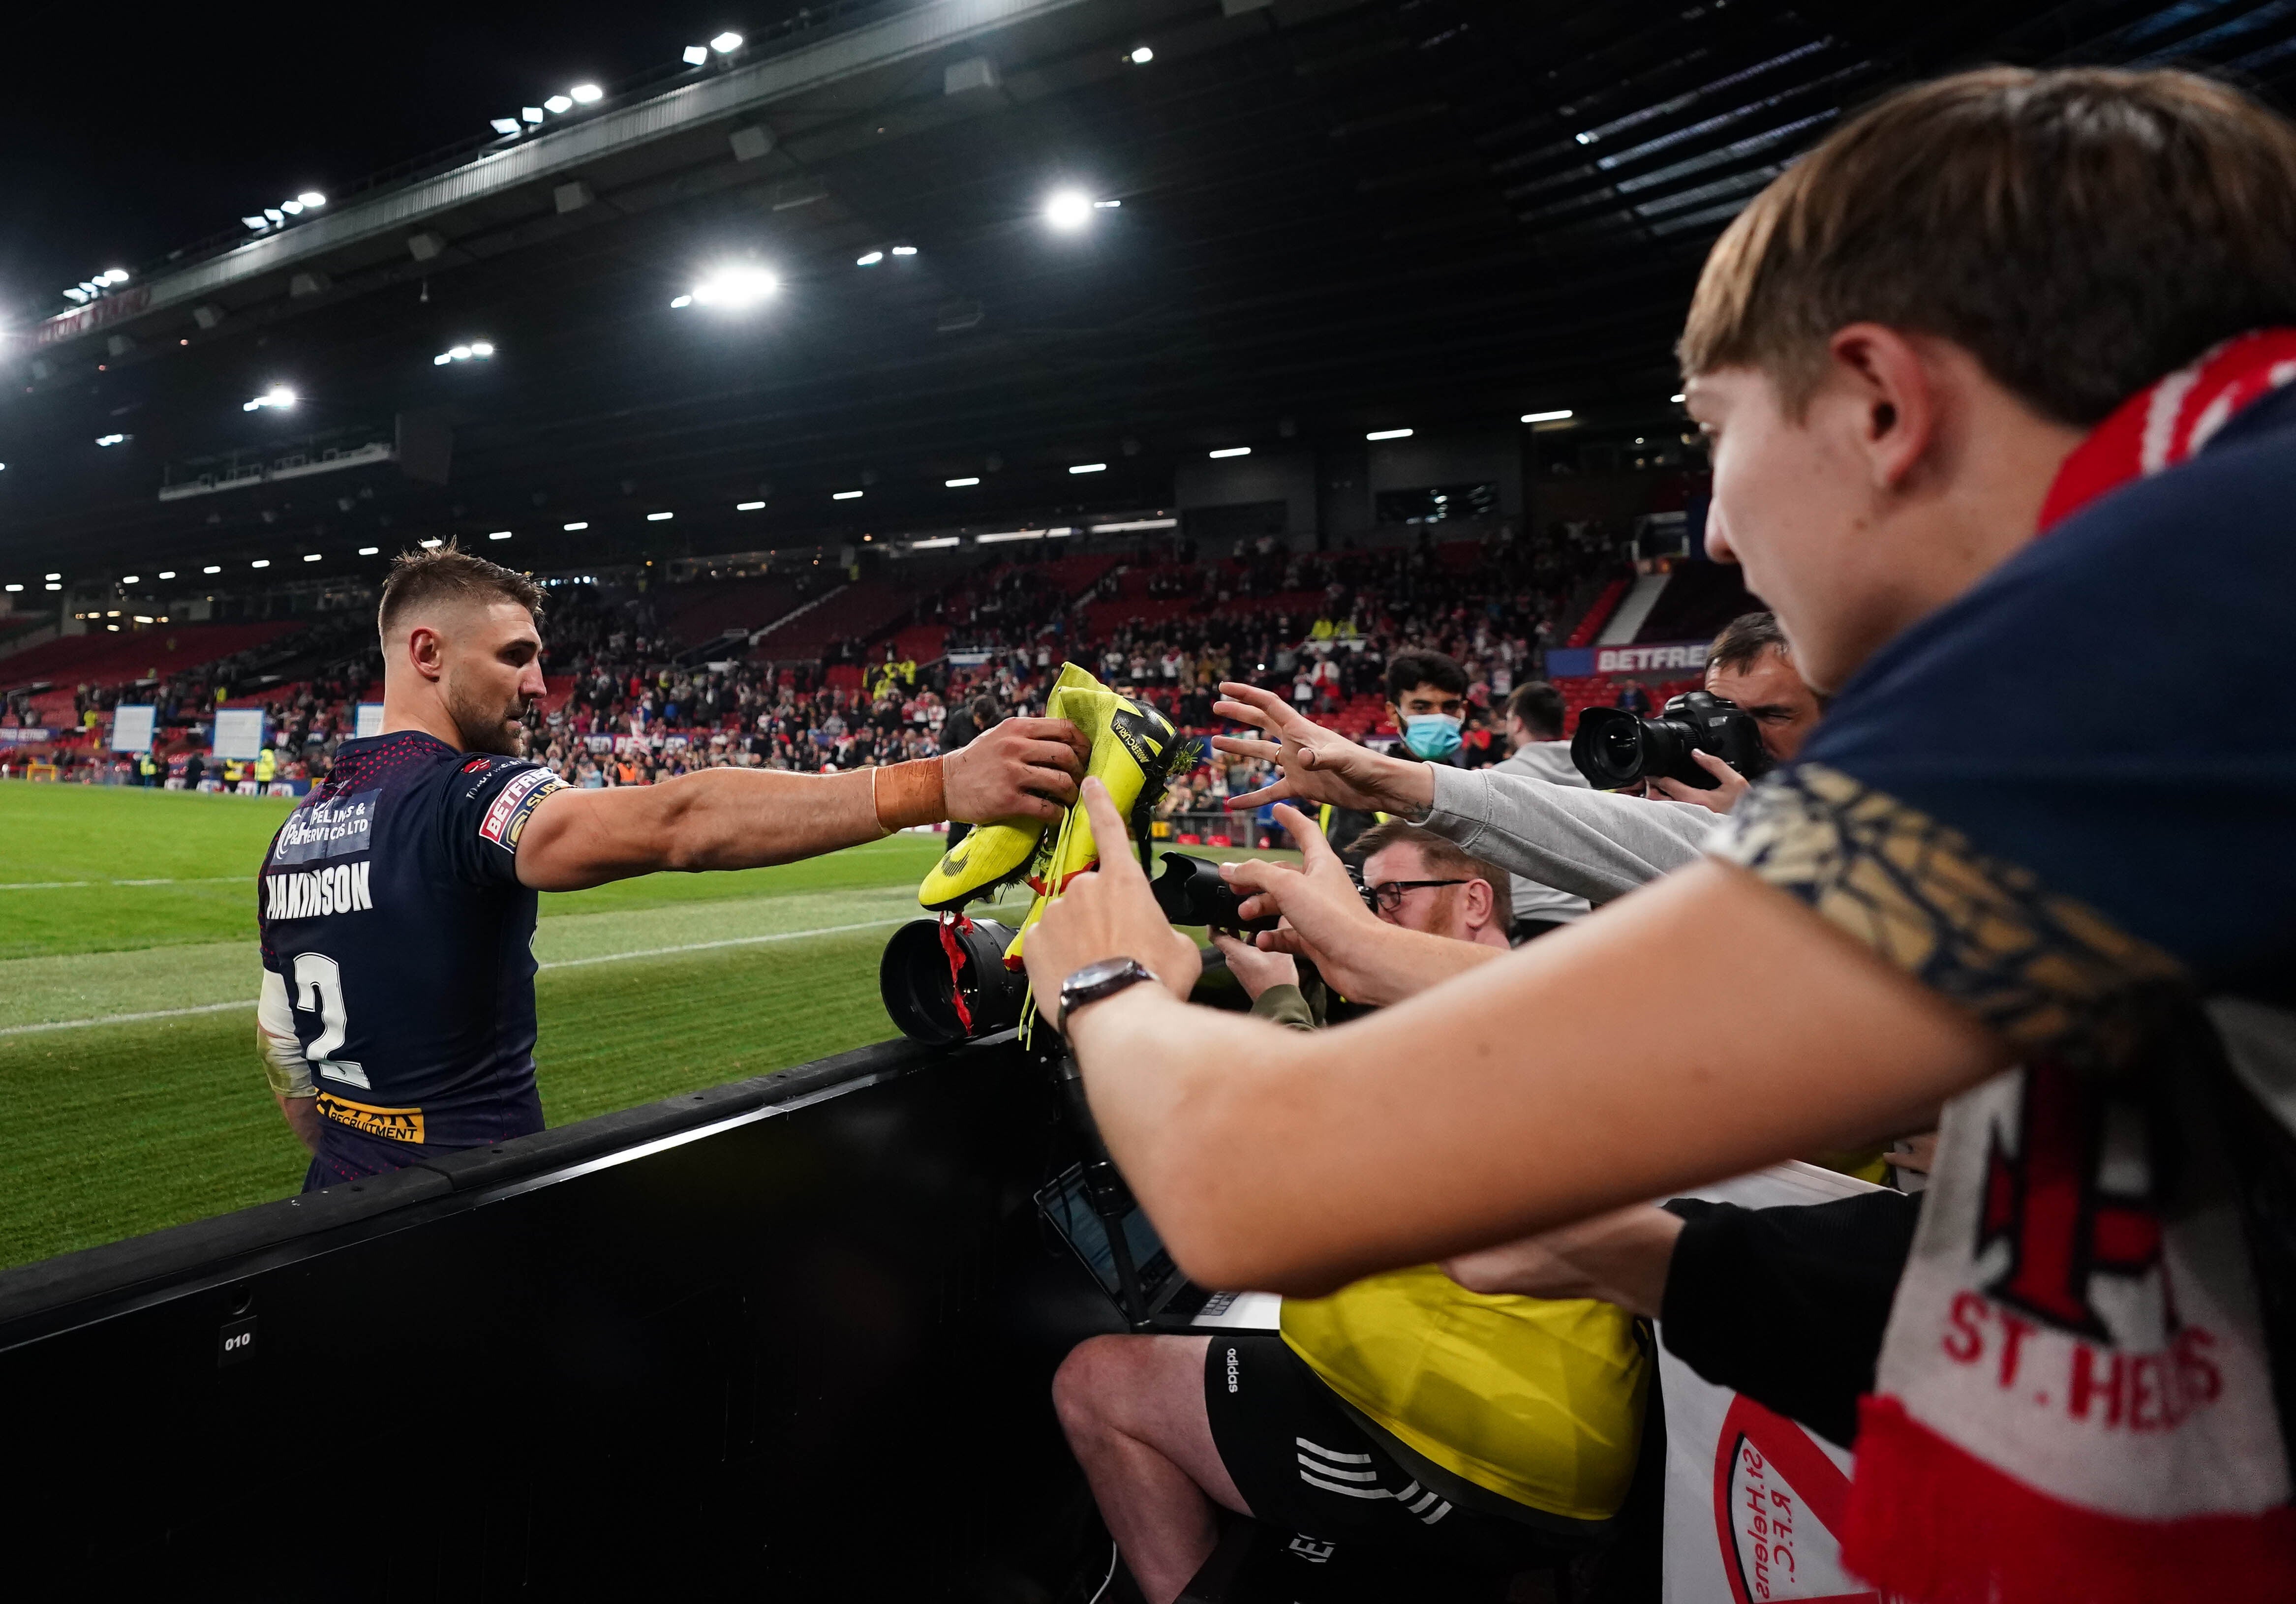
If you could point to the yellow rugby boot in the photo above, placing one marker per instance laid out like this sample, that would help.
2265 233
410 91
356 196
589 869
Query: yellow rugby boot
1134 750
990 856
1002 851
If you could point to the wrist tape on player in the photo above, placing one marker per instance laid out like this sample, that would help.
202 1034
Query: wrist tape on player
908 793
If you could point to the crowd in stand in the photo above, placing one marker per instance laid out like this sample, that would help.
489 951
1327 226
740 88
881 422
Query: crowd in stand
632 705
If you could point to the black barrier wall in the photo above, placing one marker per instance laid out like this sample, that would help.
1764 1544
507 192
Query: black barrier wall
789 1338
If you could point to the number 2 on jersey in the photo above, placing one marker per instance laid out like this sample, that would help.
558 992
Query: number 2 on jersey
319 989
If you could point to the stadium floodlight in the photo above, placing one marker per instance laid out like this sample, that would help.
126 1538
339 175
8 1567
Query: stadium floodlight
1089 468
441 359
14 588
726 43
1584 138
959 484
275 213
310 556
869 258
260 563
587 94
694 55
735 288
1142 57
431 545
293 209
905 250
167 573
370 551
499 534
1106 205
131 579
1229 450
1389 434
846 496
580 524
1068 210
109 440
749 506
1677 400
461 353
257 223
660 517
212 568
144 618
50 575
683 301
934 544
558 105
531 114
113 276
52 587
78 294
503 125
312 198
278 397
1556 416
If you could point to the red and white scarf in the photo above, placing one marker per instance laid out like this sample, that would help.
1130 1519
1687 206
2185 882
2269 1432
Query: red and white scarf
2074 1401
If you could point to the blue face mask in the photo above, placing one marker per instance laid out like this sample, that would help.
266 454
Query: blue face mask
1431 735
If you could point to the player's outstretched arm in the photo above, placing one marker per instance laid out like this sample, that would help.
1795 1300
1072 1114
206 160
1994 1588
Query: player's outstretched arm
749 818
1551 1084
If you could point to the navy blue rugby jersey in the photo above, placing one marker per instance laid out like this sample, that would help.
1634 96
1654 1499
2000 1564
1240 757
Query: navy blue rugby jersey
391 909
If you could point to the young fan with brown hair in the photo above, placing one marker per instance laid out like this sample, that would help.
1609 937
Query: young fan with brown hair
2033 865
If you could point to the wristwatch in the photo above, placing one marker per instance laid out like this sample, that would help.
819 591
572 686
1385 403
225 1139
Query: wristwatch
1095 981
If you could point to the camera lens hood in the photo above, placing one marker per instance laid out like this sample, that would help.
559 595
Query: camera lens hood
920 993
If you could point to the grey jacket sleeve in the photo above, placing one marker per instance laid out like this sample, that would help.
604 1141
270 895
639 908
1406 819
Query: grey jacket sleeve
1588 842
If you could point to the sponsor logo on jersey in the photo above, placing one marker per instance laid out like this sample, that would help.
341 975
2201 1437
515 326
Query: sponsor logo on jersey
314 893
514 805
327 829
392 1124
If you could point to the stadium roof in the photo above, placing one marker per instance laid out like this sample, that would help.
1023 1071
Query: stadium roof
1317 218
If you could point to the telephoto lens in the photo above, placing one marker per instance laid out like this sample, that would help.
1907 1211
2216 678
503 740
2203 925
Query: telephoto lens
954 990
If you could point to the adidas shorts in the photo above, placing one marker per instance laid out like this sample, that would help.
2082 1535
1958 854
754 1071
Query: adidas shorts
1305 1467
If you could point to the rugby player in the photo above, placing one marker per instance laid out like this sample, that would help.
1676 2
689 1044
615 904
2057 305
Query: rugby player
398 903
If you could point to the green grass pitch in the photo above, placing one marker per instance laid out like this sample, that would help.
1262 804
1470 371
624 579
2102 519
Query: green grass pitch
117 903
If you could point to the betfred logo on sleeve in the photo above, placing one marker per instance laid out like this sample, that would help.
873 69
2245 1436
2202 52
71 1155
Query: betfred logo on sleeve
514 805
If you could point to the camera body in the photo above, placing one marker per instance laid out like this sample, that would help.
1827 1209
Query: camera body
1189 891
1614 749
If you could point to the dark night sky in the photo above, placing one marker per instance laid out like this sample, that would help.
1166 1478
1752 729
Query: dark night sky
125 136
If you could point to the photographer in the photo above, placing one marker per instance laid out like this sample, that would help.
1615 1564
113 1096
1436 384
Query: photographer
2002 303
1821 1273
1403 1415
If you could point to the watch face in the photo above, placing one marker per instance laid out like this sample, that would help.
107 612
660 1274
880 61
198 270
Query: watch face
1092 974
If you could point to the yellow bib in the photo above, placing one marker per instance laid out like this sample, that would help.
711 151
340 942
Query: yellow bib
1540 1402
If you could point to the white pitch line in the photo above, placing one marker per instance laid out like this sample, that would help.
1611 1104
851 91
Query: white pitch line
128 1019
210 880
693 947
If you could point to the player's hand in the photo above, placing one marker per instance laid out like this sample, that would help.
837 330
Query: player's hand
1729 785
1621 1258
1108 913
1318 765
1023 768
1255 971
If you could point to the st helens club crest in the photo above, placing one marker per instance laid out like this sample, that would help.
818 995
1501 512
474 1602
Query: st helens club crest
1778 1499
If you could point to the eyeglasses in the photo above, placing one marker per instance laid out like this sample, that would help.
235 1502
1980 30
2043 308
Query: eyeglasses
1387 896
